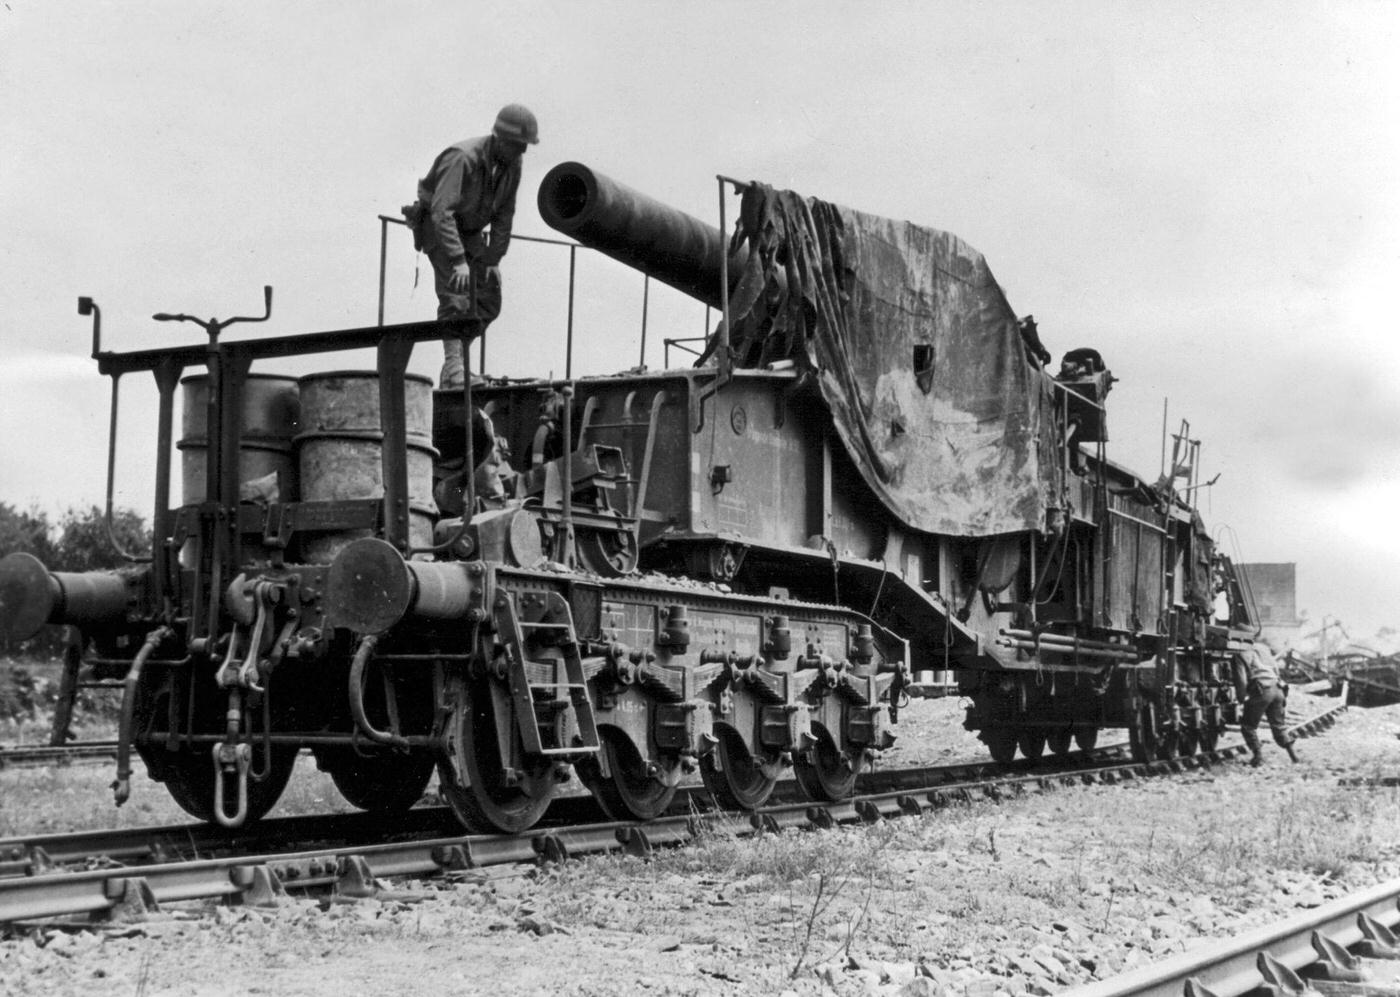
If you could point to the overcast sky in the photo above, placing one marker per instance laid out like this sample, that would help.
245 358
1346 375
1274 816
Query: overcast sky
1207 193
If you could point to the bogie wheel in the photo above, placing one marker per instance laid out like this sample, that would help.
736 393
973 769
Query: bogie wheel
1142 737
380 781
629 793
1210 738
1168 745
189 777
1001 743
1190 741
829 775
1086 738
1059 741
473 777
1031 740
733 776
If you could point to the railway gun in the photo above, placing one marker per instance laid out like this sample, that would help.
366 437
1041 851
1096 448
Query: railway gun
740 568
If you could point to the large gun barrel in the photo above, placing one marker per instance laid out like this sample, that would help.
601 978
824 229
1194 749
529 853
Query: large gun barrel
662 242
31 595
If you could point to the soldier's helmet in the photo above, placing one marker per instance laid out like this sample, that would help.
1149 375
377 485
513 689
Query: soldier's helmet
517 122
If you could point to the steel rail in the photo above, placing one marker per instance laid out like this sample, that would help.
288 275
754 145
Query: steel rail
30 855
135 847
1235 966
353 869
33 855
55 754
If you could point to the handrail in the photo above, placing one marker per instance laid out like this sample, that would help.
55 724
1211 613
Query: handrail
385 220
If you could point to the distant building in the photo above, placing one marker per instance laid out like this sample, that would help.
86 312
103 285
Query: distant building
1275 588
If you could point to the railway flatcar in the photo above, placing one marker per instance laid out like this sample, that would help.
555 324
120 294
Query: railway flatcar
740 568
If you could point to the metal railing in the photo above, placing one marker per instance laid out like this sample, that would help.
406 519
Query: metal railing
386 220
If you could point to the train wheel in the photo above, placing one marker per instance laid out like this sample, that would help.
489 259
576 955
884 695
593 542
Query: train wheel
188 775
733 777
1002 745
1142 737
473 777
1031 741
1210 737
1168 745
1190 741
830 775
382 781
1059 741
1086 738
629 793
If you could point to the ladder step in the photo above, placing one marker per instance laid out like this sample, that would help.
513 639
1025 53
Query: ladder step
523 668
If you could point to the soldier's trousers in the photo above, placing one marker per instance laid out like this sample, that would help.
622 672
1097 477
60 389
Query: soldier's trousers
1264 702
452 305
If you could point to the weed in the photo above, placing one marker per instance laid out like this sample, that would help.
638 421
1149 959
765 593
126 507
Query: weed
854 924
820 902
1108 913
1076 876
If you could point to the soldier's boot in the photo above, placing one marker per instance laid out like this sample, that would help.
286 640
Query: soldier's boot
1251 741
453 369
1292 755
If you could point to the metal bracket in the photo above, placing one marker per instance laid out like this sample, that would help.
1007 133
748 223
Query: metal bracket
356 878
1377 941
258 886
1335 963
1279 980
133 900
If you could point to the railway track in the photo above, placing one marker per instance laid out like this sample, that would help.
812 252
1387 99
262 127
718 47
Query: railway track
35 855
1346 947
28 755
38 888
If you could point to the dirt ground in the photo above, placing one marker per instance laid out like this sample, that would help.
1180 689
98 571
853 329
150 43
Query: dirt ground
1031 896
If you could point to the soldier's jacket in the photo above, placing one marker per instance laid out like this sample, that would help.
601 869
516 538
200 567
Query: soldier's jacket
1256 669
463 193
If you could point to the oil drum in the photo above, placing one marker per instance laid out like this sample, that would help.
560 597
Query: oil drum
271 412
339 452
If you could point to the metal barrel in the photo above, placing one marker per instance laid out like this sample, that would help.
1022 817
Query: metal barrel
31 596
271 412
339 451
647 235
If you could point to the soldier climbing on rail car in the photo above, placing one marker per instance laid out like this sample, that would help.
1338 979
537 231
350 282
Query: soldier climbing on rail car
1264 695
470 186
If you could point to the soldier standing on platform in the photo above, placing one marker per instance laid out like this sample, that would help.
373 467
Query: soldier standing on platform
471 186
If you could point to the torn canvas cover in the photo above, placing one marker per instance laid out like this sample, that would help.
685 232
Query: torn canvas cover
915 351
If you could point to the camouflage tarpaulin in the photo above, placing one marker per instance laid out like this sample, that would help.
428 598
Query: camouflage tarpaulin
916 352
